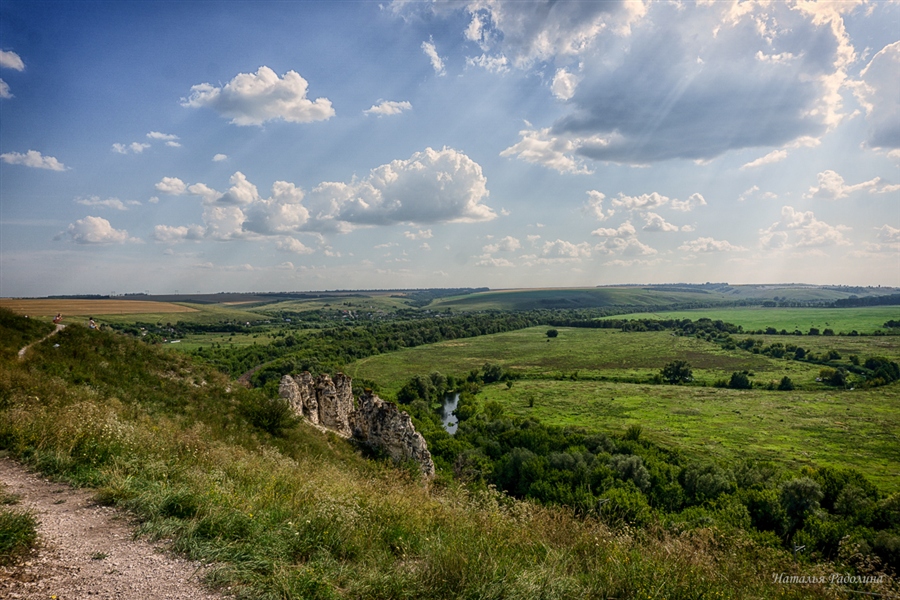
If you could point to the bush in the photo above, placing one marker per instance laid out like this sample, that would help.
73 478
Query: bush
740 381
799 497
677 372
273 415
786 385
552 333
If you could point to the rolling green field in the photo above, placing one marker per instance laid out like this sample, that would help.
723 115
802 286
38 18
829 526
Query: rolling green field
859 429
592 353
863 319
563 379
574 298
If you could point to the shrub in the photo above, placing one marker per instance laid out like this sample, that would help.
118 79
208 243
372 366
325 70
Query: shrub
703 482
273 415
786 385
677 372
740 381
799 497
552 333
631 468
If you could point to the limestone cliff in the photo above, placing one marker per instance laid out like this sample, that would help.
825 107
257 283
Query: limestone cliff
328 403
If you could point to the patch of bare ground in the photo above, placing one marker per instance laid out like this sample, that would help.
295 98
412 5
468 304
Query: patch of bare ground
88 551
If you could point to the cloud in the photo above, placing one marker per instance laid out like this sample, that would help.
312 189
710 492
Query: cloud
702 89
621 240
433 186
540 148
772 157
564 84
33 159
804 228
388 107
282 212
436 62
11 60
167 137
693 201
642 202
220 157
255 98
422 234
708 244
654 222
167 234
888 234
294 246
754 192
877 92
108 203
540 31
564 249
487 260
832 187
4 90
594 206
133 147
494 64
171 185
95 230
507 244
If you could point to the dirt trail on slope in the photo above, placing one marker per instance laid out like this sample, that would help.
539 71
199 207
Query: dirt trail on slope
22 351
87 550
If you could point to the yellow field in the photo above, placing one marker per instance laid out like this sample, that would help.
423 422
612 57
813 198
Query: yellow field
44 307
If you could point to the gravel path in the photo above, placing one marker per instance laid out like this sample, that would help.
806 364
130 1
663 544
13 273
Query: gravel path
87 550
59 327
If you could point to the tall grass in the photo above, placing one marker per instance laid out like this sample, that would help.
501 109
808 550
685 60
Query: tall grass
303 515
18 529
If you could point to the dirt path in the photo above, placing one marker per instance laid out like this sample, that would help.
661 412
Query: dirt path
59 327
87 551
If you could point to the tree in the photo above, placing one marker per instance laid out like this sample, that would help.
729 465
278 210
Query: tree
799 497
786 384
677 372
552 333
740 381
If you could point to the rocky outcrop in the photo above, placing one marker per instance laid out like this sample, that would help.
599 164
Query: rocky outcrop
328 403
383 425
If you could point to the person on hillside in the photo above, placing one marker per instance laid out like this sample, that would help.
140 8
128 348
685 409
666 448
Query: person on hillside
58 318
91 323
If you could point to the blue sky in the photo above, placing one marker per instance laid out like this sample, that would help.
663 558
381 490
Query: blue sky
271 146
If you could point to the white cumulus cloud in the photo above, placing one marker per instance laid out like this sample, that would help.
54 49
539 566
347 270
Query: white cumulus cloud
708 244
594 206
432 186
95 230
422 234
114 203
772 157
654 222
171 185
294 246
388 107
254 98
33 159
564 84
220 157
507 244
642 202
4 90
693 201
133 147
804 229
832 187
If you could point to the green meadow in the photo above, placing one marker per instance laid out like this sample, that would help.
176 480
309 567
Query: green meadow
863 319
598 379
838 428
576 352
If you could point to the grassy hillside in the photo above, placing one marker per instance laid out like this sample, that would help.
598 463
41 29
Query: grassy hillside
303 515
575 298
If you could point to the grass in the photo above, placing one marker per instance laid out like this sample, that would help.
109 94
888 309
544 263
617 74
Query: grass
592 353
862 319
814 424
305 516
858 429
18 529
528 299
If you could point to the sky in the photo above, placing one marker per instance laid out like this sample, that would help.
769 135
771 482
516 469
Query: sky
180 146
